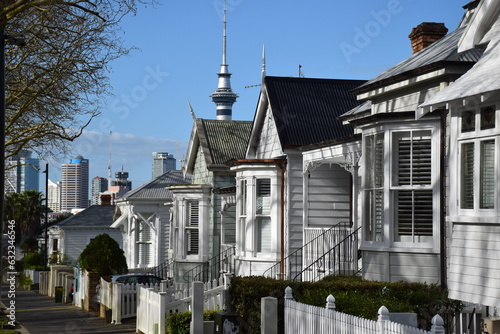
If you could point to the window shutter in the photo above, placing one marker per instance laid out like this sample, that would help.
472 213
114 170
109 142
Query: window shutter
414 214
263 196
192 228
263 234
487 177
144 239
467 184
374 195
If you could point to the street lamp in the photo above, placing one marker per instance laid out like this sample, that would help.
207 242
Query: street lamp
45 254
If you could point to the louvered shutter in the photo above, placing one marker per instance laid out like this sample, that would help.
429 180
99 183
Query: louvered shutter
413 185
144 244
487 174
467 175
263 210
192 228
374 192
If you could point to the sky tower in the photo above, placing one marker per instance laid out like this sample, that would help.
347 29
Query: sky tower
224 97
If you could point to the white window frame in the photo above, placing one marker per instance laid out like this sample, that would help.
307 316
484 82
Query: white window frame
389 189
247 229
476 138
182 196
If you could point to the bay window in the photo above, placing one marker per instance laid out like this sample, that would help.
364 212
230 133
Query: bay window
258 211
400 185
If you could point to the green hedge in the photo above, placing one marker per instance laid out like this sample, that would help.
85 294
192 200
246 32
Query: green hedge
178 323
352 295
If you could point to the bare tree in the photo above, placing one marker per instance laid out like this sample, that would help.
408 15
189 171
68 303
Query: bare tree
57 83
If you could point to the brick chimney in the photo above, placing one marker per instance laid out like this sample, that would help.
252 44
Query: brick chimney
425 34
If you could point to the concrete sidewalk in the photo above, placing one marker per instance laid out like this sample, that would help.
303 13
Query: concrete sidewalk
39 314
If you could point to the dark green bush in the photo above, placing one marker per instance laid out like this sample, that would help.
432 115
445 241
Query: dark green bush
103 255
178 323
31 260
352 295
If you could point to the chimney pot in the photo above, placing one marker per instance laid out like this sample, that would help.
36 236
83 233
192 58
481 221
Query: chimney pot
425 34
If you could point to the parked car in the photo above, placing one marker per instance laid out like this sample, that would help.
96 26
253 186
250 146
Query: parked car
130 279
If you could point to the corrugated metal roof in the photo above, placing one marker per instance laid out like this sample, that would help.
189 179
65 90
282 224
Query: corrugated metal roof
443 50
305 110
362 108
223 140
157 188
93 216
482 79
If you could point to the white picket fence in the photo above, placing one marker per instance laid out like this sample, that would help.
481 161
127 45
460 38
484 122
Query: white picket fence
122 298
302 318
153 307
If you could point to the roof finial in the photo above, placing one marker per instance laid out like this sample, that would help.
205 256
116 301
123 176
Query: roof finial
263 61
191 111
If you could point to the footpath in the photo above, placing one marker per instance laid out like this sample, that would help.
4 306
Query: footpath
37 314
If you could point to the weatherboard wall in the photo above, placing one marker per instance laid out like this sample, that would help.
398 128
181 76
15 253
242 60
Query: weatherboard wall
74 241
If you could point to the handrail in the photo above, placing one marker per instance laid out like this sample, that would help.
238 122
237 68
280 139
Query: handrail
349 253
294 255
220 263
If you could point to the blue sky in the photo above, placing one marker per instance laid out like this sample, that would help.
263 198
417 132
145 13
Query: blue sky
179 51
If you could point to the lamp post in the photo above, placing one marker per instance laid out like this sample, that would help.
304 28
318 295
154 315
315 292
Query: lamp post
45 254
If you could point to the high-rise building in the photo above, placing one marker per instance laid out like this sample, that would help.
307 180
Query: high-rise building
99 185
75 184
22 173
122 182
54 196
162 162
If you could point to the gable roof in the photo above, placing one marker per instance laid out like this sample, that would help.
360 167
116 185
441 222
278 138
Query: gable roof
305 110
221 140
93 216
157 188
442 51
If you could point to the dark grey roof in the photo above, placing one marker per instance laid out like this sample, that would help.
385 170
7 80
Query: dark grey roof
157 188
305 110
223 141
94 216
443 50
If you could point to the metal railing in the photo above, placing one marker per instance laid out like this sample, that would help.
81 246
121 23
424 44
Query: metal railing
320 241
212 269
342 259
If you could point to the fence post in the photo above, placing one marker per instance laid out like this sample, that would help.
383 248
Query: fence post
197 301
330 303
117 303
269 315
437 325
383 317
162 309
288 293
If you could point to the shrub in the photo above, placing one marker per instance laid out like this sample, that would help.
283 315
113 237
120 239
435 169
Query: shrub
104 256
352 295
31 260
179 323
